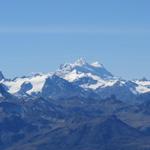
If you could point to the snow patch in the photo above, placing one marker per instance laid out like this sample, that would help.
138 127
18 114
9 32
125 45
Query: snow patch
96 64
141 89
36 81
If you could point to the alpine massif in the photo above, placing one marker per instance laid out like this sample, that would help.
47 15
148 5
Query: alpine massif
78 79
80 106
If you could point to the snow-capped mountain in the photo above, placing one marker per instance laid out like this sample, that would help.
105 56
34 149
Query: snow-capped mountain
95 77
81 68
57 88
46 85
29 85
77 79
144 85
88 76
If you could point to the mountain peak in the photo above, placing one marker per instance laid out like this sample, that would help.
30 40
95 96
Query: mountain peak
80 69
80 62
70 66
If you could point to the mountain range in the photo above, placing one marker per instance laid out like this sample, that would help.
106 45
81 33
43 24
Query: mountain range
78 79
79 106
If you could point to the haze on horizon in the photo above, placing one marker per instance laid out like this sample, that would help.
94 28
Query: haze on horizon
38 37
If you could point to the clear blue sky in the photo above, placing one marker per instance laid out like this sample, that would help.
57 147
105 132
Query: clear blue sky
38 35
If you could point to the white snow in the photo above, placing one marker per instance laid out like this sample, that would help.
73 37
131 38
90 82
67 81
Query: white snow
37 82
79 62
100 84
96 64
72 76
142 89
143 83
143 86
71 73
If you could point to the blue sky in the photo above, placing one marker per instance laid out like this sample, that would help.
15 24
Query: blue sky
38 35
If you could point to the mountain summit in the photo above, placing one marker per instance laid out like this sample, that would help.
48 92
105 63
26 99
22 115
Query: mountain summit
80 68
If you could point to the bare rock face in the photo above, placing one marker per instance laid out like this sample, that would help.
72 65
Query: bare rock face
1 76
